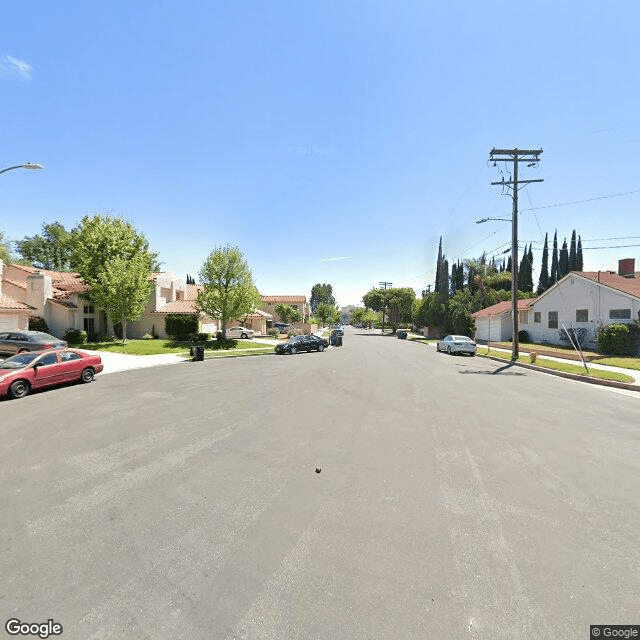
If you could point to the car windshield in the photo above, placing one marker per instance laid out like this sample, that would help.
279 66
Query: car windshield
297 339
19 361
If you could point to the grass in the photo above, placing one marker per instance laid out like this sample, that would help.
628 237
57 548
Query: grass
155 347
625 363
567 368
530 346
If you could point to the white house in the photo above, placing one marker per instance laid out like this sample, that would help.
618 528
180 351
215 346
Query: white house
582 299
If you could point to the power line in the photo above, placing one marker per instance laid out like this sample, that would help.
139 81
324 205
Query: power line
566 204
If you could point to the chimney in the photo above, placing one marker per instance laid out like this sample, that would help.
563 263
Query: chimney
627 267
39 290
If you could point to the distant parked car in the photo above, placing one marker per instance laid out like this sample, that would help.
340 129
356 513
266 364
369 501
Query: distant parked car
457 344
302 343
25 371
240 332
283 327
22 341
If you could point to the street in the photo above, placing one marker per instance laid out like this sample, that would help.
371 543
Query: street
457 498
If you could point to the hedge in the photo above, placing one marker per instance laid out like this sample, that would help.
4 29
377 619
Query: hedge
181 326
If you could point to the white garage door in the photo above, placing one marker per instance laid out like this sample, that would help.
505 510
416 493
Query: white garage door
8 323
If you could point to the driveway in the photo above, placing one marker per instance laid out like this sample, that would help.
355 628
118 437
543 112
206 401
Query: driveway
114 362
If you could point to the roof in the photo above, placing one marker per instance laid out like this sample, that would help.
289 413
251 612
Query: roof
613 280
179 306
64 283
15 283
283 299
259 314
193 290
502 307
7 302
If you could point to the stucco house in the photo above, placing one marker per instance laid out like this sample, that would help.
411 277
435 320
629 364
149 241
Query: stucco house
585 300
299 302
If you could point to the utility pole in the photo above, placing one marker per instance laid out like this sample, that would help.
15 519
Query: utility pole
532 157
384 285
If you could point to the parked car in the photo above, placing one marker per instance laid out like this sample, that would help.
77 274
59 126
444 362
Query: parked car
25 371
240 332
22 341
302 343
457 344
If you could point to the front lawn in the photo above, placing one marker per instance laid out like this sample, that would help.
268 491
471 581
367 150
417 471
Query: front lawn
567 368
625 363
155 347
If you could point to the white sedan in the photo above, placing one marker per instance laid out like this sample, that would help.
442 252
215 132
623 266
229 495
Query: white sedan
240 332
457 344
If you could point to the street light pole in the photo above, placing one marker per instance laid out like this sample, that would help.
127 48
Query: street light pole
26 165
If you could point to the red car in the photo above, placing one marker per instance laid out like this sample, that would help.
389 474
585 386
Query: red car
25 371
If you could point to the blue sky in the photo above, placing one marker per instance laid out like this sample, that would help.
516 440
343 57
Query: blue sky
305 131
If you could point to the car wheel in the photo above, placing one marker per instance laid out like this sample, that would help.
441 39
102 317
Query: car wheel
87 375
293 351
23 350
449 350
243 336
19 389
320 347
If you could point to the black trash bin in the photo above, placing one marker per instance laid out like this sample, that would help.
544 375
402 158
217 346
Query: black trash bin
402 335
338 341
198 353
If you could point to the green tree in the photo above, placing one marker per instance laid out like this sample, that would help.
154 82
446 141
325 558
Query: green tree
579 258
122 289
229 291
52 250
395 303
553 278
573 253
5 249
321 294
563 261
98 240
543 283
288 313
327 314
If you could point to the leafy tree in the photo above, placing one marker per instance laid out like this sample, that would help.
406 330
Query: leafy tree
288 313
563 261
52 250
543 283
579 260
5 249
554 261
395 303
122 289
321 294
327 314
98 240
229 291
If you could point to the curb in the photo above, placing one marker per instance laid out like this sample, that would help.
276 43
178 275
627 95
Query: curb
571 376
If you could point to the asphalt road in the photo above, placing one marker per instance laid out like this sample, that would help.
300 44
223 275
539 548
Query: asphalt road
458 498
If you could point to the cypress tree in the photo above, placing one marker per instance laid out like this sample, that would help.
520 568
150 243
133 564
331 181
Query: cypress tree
530 270
554 261
543 284
579 261
573 253
444 277
509 265
563 261
439 266
522 271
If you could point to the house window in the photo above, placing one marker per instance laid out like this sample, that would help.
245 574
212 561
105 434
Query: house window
537 316
524 317
582 315
553 319
620 314
89 326
88 309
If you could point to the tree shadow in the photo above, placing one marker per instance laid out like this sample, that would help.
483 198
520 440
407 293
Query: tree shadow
504 371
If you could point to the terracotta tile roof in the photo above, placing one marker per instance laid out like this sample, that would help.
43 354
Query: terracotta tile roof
179 306
613 280
502 307
283 299
64 303
9 303
259 314
16 283
64 283
193 290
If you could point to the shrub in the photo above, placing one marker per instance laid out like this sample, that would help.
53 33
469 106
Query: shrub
147 336
180 325
201 337
523 336
75 336
618 339
38 324
578 335
273 332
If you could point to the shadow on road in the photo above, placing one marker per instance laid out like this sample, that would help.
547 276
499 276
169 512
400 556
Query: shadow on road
499 371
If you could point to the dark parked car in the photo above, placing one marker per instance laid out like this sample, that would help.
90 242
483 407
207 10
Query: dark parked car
302 343
283 327
25 371
21 341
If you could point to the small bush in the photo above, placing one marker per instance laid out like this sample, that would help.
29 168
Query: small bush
523 336
147 336
578 335
38 324
75 336
202 337
181 326
618 339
